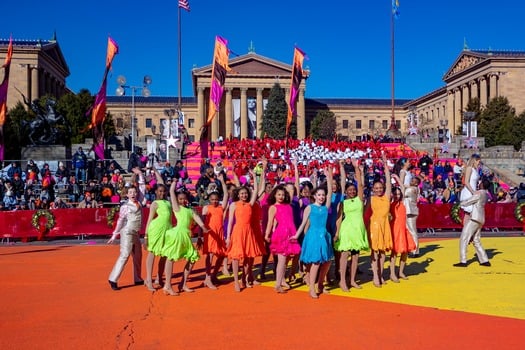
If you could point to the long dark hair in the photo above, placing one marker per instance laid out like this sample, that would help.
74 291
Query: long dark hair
271 198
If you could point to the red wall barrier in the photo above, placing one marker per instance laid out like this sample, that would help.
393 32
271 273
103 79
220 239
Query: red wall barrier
93 221
68 222
500 215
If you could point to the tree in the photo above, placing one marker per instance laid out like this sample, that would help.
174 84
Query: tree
323 125
499 125
74 108
13 137
274 117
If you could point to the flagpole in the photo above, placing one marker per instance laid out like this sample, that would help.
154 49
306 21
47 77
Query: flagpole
392 131
179 102
393 125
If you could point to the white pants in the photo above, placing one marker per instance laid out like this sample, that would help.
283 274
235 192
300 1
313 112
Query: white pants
129 244
472 229
412 228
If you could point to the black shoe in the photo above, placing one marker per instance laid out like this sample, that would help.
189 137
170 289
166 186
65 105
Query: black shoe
139 283
486 263
113 285
460 264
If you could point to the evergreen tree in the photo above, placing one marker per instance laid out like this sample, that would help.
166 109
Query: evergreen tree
13 137
74 108
323 125
498 124
274 117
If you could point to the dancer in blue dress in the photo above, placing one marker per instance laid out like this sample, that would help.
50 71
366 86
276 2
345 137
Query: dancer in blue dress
317 251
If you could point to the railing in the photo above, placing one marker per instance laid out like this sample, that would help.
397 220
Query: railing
81 223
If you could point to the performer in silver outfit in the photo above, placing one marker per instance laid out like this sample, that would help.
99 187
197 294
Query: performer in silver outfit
472 227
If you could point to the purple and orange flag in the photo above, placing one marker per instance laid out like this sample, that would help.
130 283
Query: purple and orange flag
98 113
220 68
297 77
3 95
218 75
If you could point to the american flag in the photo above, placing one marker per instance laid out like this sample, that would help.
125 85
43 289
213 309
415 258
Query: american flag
184 4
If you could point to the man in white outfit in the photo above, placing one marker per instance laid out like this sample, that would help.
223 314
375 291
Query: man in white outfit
128 226
472 227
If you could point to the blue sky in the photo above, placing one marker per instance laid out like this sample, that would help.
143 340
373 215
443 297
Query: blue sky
347 42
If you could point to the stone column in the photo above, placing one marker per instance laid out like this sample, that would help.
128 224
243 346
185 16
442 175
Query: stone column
457 108
450 111
465 96
493 87
201 112
244 114
228 114
301 116
483 91
474 89
260 112
35 92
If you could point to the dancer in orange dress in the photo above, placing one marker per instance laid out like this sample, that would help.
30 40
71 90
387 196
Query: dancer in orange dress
402 240
214 244
242 242
380 235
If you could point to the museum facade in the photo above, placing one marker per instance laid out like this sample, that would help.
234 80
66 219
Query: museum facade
38 68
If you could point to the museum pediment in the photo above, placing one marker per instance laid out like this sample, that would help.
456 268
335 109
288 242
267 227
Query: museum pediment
465 61
52 50
251 65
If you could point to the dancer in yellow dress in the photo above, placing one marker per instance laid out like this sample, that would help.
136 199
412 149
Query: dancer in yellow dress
380 236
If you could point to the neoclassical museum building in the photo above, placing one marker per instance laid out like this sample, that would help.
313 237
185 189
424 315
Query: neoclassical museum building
38 68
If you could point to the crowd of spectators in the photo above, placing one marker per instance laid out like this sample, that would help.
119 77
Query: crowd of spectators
86 184
441 179
80 185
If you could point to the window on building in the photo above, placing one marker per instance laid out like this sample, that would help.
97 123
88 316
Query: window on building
191 137
398 124
149 123
345 124
371 124
120 123
191 123
385 124
358 124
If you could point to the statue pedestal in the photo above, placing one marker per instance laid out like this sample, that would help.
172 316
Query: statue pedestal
46 153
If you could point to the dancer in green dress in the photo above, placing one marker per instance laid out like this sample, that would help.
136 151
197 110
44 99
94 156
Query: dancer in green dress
351 236
177 242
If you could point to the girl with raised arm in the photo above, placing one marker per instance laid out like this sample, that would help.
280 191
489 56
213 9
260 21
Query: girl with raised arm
177 242
380 233
351 235
159 221
402 241
241 242
317 251
279 229
214 244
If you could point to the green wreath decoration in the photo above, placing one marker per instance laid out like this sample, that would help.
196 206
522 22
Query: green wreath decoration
518 214
454 213
111 215
50 219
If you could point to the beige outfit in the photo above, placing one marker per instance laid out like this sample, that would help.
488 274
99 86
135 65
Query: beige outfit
410 202
472 228
129 223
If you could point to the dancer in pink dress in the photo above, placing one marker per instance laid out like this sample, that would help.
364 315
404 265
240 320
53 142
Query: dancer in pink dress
279 230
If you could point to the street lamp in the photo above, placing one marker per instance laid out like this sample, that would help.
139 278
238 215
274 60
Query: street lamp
121 91
469 117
